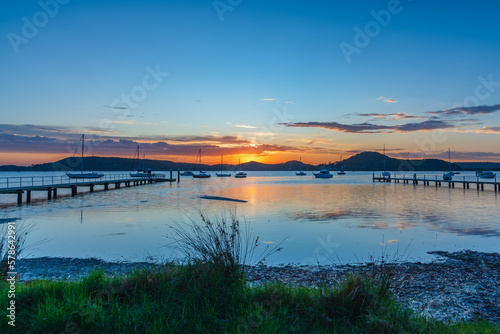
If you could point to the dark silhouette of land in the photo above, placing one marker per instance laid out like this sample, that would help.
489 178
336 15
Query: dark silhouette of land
366 161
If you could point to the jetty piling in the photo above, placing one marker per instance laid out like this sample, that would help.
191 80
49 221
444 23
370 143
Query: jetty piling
480 184
51 184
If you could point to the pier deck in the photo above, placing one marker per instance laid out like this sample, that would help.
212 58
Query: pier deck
50 184
466 182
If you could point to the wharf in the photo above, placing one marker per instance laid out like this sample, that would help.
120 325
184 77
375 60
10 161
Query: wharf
466 182
51 184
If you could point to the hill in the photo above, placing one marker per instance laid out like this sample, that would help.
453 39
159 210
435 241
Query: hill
366 161
373 161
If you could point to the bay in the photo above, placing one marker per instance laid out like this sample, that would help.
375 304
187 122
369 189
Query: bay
345 219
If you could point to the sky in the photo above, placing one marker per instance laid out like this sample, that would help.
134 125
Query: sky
262 80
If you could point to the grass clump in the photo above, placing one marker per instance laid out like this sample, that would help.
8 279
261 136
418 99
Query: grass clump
12 241
220 241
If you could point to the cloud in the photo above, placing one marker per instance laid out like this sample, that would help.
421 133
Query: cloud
489 129
268 99
375 128
424 126
461 111
245 126
386 100
351 128
63 141
394 116
116 107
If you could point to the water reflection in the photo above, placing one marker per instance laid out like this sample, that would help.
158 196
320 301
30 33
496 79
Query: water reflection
343 219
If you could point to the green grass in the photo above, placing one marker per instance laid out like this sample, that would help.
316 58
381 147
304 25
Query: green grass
201 297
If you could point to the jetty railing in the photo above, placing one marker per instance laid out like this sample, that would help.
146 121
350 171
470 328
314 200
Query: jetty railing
44 180
466 181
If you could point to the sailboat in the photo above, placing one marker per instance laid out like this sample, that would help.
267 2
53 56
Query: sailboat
341 171
448 175
300 172
222 174
201 174
188 172
385 174
143 172
82 174
240 174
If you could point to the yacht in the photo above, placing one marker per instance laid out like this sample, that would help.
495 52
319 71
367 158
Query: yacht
323 174
82 174
486 174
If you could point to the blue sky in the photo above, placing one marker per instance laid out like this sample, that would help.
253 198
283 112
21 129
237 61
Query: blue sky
259 80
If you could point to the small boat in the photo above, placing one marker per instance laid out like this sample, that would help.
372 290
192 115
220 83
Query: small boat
448 176
341 171
486 174
187 173
201 174
385 174
323 174
82 174
300 172
143 172
222 174
240 174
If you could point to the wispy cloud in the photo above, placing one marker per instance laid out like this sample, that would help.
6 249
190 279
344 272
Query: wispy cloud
386 100
245 126
393 116
63 141
375 128
268 99
117 107
489 129
461 111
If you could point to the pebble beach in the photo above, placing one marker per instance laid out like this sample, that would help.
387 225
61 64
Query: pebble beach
455 286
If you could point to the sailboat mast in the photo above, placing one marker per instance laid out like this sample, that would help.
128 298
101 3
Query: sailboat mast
83 148
384 158
449 159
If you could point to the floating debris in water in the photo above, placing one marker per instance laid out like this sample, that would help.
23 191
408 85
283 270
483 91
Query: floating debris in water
222 198
8 220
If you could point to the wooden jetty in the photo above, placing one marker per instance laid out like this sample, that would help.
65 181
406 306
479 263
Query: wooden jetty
51 184
466 182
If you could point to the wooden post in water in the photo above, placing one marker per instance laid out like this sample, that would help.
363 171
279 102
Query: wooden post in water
19 197
178 175
55 193
49 194
28 196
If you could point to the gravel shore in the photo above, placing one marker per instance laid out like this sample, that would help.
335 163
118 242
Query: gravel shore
456 286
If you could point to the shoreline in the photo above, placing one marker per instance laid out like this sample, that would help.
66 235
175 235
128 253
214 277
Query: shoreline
462 285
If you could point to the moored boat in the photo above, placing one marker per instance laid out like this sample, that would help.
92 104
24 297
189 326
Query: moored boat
323 174
222 173
201 174
300 172
486 174
82 174
240 174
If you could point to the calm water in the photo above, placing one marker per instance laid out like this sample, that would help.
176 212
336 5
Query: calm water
345 219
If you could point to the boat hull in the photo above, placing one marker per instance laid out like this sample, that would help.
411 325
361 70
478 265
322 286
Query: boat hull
323 176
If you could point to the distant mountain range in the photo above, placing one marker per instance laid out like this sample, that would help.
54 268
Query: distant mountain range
366 161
